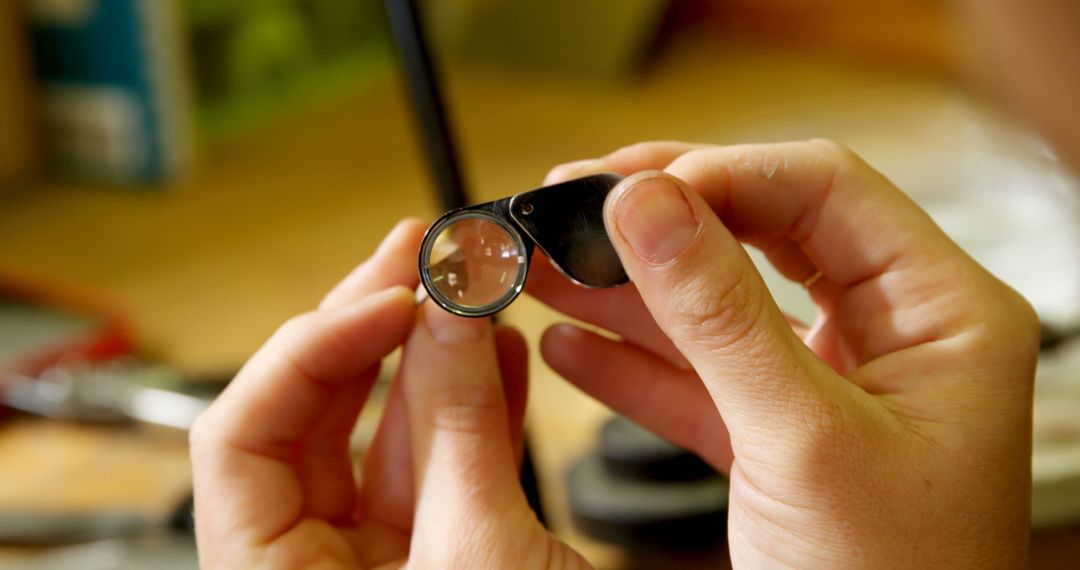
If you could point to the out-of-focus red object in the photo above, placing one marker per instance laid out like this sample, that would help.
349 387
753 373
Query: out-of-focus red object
102 332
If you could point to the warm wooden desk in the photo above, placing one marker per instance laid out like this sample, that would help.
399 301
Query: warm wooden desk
209 267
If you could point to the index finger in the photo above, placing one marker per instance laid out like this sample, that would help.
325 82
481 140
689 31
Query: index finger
815 206
244 446
849 220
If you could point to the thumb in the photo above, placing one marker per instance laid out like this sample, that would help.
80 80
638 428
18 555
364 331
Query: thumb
705 293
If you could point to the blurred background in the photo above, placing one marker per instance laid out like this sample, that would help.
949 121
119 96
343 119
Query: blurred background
178 177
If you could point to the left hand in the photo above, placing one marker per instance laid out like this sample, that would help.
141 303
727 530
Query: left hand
274 482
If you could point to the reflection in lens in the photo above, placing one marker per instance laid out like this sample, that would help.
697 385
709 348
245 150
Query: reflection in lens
475 262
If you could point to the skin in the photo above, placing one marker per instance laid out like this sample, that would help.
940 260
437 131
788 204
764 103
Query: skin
893 432
274 482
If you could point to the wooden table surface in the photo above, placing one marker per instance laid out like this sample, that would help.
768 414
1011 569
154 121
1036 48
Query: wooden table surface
209 266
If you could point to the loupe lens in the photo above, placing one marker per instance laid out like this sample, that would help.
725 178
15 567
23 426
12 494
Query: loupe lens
475 265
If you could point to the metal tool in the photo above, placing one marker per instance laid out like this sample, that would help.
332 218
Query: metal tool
118 391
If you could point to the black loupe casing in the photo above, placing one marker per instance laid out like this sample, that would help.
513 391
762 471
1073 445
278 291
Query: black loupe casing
566 221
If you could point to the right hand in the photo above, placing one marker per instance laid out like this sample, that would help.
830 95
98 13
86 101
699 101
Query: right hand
894 432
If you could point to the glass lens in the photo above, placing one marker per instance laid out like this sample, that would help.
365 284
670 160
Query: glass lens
475 262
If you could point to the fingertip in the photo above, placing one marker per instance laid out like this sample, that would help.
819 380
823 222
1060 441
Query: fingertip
557 340
411 225
651 213
405 236
561 330
449 329
395 307
627 185
576 169
397 296
393 263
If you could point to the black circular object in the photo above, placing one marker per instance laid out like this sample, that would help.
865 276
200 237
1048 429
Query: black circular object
677 515
631 451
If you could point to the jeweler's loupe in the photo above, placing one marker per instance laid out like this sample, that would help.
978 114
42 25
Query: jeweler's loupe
474 260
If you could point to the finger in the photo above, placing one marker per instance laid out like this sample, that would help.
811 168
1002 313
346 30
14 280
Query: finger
790 260
464 461
322 459
387 492
706 295
244 446
880 251
619 310
668 401
387 495
394 263
655 155
576 169
513 355
324 462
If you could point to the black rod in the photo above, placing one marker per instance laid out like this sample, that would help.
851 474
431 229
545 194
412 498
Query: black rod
424 90
423 84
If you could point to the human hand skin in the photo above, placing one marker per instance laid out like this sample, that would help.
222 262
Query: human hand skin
893 432
274 482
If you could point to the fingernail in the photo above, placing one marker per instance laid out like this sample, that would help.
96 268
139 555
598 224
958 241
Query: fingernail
379 297
655 218
448 328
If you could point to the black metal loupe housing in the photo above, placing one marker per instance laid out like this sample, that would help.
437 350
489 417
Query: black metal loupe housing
474 260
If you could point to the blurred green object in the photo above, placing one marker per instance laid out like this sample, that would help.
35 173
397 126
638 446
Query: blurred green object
257 60
605 38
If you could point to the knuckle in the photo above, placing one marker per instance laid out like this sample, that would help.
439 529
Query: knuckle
696 158
1026 318
838 152
413 221
200 436
720 312
466 410
1019 320
840 160
297 326
290 344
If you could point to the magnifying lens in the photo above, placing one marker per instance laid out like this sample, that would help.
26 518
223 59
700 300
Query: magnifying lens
474 260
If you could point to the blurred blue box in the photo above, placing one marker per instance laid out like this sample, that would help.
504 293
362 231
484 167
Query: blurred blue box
114 93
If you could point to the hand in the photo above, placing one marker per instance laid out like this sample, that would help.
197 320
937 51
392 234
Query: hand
893 432
274 484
